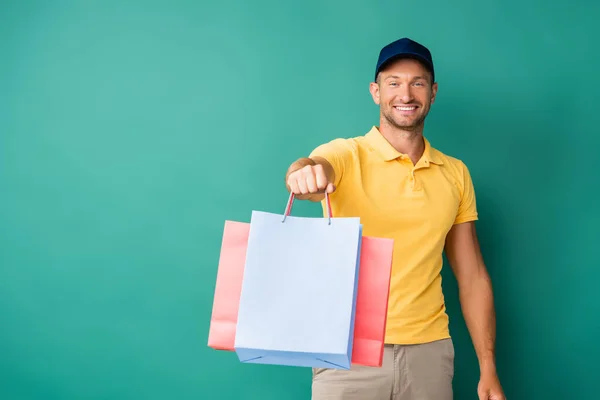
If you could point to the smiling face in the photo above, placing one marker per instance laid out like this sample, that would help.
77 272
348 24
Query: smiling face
404 92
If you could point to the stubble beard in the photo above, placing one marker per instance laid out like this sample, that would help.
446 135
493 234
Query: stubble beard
413 126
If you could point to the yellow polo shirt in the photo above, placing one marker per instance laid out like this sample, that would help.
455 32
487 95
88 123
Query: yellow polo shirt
416 205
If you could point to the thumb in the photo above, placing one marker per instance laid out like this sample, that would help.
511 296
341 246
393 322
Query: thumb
330 188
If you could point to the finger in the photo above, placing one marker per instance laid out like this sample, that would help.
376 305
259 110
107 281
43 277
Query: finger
330 188
290 180
301 181
311 181
293 184
320 176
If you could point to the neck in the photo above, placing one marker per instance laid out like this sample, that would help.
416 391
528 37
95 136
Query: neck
408 142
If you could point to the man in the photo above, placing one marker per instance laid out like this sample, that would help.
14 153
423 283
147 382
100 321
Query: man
403 188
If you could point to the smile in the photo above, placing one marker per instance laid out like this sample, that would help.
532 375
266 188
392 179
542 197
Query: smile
405 108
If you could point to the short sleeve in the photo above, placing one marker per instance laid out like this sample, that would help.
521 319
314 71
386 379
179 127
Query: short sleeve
336 152
467 209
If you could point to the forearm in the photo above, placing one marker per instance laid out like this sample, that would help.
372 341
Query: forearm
477 303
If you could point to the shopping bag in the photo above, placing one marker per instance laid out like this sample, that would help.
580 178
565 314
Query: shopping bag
372 301
372 298
228 285
299 289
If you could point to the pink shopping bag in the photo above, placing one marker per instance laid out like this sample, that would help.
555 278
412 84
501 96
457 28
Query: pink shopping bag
228 286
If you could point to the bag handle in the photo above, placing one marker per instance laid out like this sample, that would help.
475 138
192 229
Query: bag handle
290 203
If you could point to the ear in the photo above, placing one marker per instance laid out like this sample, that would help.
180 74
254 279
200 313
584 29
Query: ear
374 89
434 89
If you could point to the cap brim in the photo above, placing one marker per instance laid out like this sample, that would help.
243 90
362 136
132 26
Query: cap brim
404 55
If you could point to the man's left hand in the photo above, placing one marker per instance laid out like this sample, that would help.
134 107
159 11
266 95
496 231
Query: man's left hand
489 387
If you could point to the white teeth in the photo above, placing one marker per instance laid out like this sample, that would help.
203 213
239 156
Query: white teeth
405 108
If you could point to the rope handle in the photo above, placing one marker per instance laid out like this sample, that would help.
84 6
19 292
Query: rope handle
290 203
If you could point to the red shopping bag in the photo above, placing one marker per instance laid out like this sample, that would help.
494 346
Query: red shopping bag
372 296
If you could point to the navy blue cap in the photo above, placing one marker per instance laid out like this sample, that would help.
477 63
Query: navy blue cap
405 47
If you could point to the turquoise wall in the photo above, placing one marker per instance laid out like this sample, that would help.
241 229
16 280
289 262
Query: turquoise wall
131 130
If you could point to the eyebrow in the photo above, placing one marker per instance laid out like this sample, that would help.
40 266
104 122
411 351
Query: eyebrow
397 77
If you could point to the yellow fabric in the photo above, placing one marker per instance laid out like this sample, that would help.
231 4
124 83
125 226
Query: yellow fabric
414 205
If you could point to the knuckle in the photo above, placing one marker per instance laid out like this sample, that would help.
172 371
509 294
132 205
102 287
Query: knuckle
293 176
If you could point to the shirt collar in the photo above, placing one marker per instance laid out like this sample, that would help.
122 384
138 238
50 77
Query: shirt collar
388 152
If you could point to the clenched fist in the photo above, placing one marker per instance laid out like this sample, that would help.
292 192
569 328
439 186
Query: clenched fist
307 178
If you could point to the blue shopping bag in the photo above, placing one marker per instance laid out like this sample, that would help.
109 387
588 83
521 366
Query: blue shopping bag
298 297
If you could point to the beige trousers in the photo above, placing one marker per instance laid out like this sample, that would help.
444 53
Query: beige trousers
409 372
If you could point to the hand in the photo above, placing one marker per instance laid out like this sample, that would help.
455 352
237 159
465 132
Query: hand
489 387
310 179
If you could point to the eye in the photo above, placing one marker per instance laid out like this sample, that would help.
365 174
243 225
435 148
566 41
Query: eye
393 84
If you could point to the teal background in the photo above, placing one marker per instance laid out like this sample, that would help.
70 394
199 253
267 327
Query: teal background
130 131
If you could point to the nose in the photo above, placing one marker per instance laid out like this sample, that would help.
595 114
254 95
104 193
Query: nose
405 94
